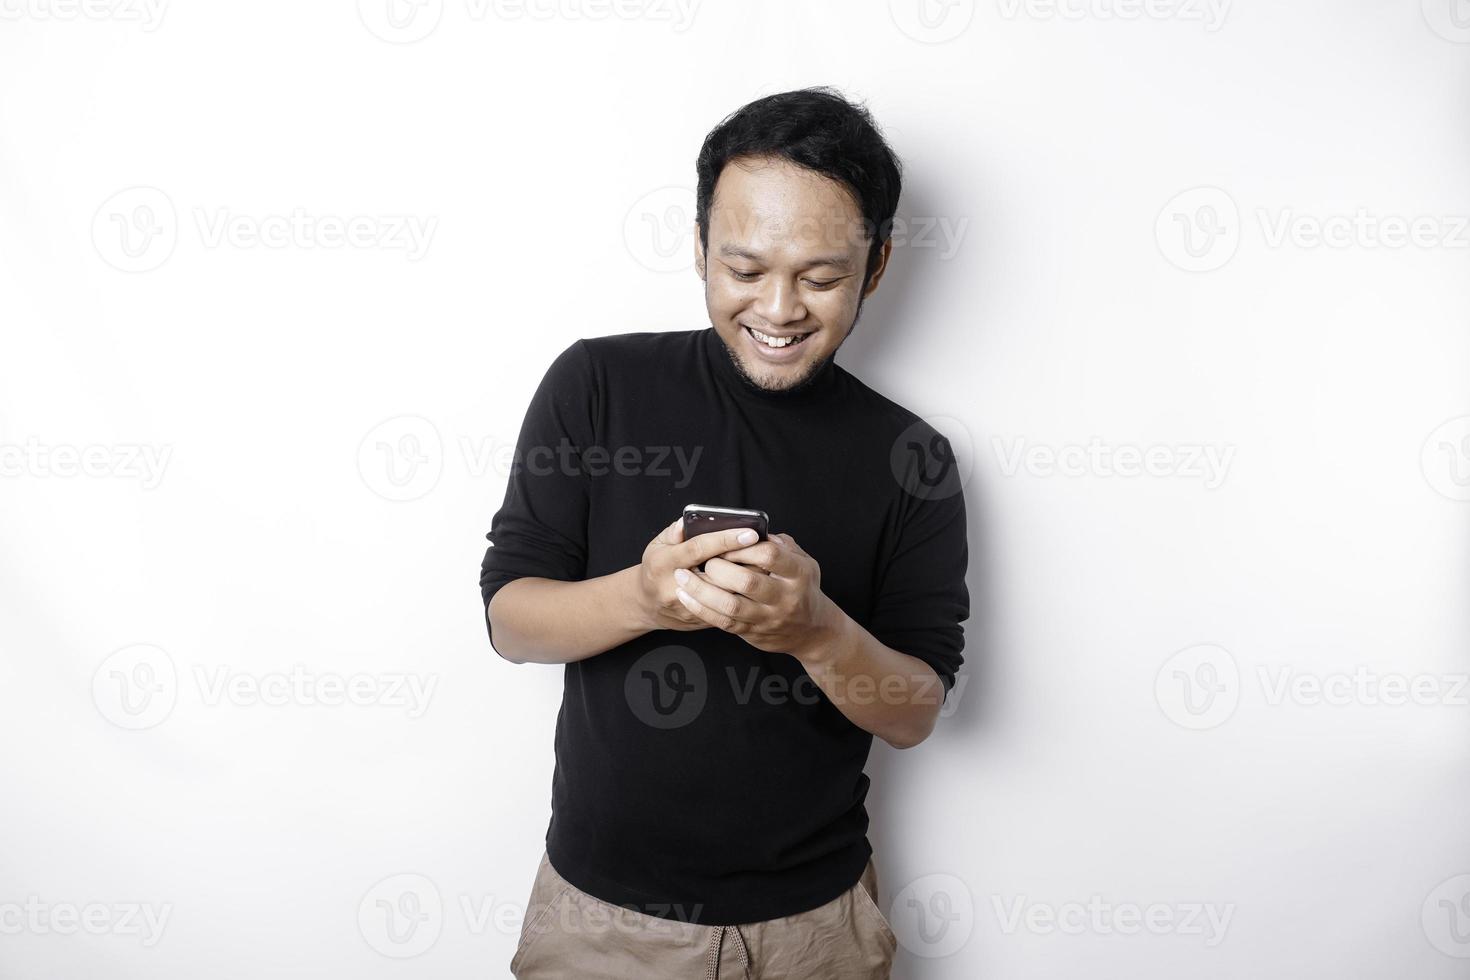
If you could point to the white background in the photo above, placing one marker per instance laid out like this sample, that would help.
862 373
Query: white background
330 426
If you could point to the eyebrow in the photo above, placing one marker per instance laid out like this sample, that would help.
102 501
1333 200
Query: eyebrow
735 251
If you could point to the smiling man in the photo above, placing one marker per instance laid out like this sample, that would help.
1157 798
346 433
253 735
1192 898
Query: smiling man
708 809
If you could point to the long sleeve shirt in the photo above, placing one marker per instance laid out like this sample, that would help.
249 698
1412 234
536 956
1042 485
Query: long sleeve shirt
698 777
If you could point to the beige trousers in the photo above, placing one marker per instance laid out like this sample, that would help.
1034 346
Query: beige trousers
569 935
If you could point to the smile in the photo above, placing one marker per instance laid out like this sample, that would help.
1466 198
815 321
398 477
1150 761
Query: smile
777 343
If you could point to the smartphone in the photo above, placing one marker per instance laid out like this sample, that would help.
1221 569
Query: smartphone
703 518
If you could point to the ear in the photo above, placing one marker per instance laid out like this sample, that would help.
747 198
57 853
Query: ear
698 253
883 254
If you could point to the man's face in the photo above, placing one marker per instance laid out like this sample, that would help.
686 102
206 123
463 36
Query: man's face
786 256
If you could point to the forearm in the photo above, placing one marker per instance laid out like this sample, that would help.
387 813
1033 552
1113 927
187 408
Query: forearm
545 621
881 690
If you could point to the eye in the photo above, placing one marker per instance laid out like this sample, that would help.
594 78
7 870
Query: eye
825 284
743 276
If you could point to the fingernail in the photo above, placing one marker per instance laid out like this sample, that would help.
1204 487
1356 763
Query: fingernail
747 537
681 576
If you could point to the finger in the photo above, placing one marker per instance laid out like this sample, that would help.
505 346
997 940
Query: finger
771 556
714 605
711 543
707 616
790 542
745 580
696 612
674 533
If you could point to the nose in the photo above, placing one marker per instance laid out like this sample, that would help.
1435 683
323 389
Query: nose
780 302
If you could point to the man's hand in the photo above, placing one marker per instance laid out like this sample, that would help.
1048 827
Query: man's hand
769 594
660 607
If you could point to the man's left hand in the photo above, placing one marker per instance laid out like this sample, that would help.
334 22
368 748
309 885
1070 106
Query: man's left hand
769 594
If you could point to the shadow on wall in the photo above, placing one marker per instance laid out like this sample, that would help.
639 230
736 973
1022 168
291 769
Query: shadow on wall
898 313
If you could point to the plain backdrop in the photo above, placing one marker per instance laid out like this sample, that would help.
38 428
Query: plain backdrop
1184 282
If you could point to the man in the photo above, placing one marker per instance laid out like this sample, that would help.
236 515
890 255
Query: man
707 803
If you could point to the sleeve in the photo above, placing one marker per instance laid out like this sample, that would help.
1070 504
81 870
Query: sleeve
541 528
924 598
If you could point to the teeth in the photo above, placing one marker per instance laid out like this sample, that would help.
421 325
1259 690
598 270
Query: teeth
770 341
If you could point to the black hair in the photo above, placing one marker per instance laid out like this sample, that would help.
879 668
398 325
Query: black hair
816 128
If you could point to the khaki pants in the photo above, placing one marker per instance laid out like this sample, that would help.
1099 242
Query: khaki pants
569 935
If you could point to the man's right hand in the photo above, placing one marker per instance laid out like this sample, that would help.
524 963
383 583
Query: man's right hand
661 608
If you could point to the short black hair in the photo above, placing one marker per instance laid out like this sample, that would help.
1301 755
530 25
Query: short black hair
816 128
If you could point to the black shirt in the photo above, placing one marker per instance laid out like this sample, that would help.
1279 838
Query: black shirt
698 777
